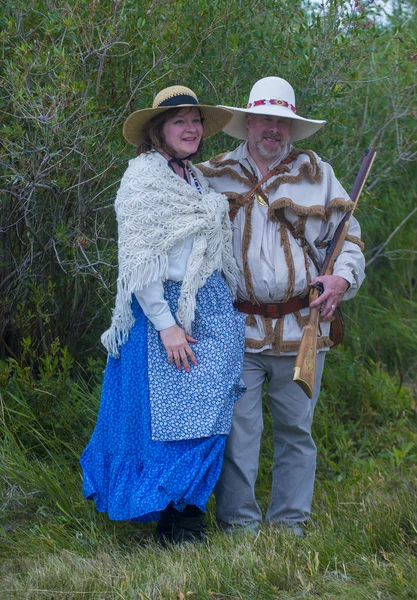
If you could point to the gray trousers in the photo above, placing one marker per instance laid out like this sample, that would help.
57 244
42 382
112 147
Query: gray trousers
294 449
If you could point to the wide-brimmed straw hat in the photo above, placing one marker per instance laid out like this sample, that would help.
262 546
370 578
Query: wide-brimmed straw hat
176 96
271 96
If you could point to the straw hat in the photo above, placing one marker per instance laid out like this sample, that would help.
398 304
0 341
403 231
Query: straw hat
271 96
176 96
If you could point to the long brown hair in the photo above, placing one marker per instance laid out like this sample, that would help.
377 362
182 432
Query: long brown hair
153 136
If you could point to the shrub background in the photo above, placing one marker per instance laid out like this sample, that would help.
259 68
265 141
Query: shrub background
70 73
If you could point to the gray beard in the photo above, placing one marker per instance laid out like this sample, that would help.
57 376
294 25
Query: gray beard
276 155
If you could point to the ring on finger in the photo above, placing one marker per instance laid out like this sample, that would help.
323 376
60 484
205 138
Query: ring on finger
333 306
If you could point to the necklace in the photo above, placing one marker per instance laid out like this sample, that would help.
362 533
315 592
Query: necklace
181 164
195 180
261 201
191 179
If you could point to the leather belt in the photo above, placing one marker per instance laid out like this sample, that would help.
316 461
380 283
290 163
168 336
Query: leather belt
273 311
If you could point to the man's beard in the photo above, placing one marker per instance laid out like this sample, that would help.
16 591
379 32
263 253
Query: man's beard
278 153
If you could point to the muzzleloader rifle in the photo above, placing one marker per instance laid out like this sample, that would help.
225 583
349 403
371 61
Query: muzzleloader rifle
305 363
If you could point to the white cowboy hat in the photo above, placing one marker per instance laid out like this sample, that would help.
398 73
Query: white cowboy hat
271 96
176 96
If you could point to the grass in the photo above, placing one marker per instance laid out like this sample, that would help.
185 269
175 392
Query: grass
361 541
361 545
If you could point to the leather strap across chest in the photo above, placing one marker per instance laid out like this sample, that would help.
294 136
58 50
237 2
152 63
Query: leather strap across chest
257 184
274 310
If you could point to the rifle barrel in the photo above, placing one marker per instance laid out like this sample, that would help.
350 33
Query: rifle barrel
305 362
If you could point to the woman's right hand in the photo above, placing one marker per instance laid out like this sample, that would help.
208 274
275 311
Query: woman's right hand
175 341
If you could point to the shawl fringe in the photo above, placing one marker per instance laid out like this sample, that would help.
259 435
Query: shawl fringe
155 211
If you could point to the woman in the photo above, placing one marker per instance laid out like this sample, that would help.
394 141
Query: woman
175 343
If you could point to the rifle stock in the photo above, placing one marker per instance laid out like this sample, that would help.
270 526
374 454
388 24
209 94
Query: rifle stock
305 362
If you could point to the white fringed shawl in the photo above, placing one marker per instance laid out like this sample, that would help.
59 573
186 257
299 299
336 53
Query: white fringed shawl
155 210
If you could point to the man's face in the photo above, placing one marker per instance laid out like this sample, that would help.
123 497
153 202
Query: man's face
268 135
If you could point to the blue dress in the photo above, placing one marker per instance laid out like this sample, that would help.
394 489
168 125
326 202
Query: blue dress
160 432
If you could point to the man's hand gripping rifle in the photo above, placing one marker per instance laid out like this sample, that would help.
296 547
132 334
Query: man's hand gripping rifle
305 363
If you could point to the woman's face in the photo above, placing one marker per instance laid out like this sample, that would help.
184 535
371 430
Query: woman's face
183 132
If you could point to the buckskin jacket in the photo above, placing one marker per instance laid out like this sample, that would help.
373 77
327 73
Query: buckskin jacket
274 262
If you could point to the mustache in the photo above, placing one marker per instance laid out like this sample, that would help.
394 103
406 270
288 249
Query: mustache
276 138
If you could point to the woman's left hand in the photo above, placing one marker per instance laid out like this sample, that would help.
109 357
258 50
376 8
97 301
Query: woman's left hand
176 343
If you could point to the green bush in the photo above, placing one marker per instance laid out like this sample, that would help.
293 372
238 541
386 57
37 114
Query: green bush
45 409
363 415
70 75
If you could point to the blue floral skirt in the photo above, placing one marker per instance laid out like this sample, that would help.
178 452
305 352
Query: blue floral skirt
126 471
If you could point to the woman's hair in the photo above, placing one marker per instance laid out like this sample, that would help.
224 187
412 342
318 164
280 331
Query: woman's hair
153 136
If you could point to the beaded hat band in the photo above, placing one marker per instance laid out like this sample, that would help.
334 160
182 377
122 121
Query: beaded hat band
275 97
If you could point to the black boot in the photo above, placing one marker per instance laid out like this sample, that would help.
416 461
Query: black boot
190 525
176 526
166 525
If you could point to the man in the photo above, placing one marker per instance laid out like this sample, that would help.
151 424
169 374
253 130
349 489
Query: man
280 236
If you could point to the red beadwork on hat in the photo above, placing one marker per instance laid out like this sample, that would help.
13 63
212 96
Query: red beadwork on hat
274 102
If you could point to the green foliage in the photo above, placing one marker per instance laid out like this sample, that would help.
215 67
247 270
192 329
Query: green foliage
71 74
361 542
365 413
380 322
46 406
364 418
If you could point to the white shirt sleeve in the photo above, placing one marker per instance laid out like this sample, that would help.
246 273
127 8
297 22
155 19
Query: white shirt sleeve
156 309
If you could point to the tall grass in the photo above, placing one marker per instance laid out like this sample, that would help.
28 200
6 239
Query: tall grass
361 542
